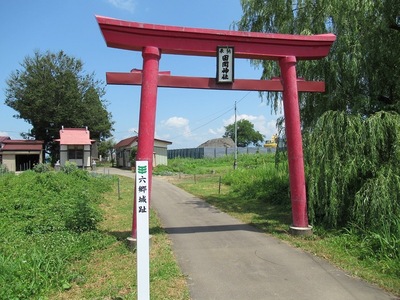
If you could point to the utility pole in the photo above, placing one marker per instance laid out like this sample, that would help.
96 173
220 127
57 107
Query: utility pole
235 154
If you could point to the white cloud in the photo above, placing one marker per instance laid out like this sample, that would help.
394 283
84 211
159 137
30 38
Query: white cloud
179 124
176 122
219 132
3 133
212 131
250 118
177 130
128 5
261 124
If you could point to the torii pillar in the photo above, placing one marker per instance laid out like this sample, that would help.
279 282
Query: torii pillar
148 105
286 49
294 146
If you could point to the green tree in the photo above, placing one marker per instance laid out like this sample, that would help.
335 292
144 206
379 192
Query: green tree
52 90
132 156
352 133
246 134
363 69
353 175
106 148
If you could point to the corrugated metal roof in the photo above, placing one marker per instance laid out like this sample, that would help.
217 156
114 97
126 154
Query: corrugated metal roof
4 138
74 136
129 141
164 141
22 145
126 142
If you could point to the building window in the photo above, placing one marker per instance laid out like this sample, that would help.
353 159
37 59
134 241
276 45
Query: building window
75 152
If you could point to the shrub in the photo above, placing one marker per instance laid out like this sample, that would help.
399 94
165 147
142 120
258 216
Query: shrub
41 168
83 216
69 167
3 169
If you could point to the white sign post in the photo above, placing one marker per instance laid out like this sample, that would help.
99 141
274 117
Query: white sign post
142 214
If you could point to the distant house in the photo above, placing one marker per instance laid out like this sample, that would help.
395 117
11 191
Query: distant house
76 146
2 138
21 155
124 147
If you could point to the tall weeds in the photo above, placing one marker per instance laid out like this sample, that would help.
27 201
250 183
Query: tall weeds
263 182
47 220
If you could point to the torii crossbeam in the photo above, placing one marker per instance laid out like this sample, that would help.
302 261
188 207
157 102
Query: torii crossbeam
152 40
168 81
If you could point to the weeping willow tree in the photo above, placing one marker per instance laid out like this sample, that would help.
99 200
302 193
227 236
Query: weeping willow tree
352 135
353 170
362 71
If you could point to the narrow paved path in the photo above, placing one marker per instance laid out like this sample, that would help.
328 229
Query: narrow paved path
226 259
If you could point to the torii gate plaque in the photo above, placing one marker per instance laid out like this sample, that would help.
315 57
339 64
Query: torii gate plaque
153 40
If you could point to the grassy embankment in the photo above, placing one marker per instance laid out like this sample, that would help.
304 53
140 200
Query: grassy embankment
258 193
62 236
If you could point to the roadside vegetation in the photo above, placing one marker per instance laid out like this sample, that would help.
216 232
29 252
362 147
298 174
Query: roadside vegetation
63 236
257 192
47 221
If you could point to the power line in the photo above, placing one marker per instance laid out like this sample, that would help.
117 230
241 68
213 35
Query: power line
213 119
3 130
243 97
216 118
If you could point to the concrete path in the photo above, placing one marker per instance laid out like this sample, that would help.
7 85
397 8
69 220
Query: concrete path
226 259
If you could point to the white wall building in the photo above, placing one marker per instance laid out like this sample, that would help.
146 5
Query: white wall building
76 146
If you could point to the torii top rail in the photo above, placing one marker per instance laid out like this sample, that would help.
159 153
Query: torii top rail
152 40
203 42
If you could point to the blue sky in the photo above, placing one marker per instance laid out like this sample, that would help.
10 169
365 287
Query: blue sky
185 117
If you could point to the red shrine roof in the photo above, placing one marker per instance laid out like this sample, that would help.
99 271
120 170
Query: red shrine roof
74 136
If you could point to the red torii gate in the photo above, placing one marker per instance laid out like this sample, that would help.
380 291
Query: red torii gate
153 40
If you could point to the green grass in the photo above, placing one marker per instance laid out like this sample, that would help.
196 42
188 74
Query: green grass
209 165
49 251
258 194
63 236
110 273
41 231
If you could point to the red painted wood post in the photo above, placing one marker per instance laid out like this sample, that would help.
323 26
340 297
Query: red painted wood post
147 116
294 146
